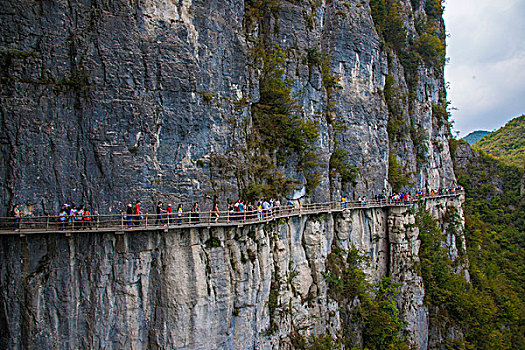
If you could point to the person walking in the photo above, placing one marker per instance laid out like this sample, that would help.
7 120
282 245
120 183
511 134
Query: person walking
79 218
236 210
62 218
259 211
179 214
216 212
250 211
290 206
86 218
265 208
195 213
168 213
16 215
137 213
231 212
159 211
129 214
241 211
72 216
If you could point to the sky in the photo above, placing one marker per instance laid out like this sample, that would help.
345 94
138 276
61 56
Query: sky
486 69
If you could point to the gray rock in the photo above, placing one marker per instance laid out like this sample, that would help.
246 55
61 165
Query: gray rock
106 103
255 289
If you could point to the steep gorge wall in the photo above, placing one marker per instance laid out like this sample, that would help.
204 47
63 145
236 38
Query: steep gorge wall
224 287
106 102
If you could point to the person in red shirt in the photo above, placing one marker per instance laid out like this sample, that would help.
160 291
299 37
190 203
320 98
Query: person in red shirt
86 217
136 211
168 212
216 212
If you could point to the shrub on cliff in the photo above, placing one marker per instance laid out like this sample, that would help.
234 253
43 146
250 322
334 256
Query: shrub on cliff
376 315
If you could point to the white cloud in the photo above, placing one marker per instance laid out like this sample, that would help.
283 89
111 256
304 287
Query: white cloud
486 48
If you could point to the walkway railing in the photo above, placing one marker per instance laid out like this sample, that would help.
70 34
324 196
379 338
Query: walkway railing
147 221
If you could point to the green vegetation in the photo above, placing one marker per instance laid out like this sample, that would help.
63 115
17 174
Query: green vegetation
345 277
442 285
427 47
273 300
278 135
397 176
77 81
279 132
434 9
389 22
381 319
339 163
418 138
377 311
17 53
440 112
506 144
339 160
320 342
396 125
277 123
432 49
213 242
330 81
207 97
415 4
490 310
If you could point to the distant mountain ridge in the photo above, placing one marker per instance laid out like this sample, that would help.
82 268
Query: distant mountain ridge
507 143
475 136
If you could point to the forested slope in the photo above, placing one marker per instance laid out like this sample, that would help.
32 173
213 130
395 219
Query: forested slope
495 237
506 144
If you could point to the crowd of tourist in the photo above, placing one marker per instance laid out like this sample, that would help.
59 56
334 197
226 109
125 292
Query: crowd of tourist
409 196
80 217
235 211
262 209
75 217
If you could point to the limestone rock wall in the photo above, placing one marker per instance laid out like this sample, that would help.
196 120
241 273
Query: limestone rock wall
106 102
247 287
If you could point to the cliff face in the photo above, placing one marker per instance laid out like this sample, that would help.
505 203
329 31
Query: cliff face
256 286
107 102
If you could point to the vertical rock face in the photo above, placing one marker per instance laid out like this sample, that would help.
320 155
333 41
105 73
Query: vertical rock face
257 286
108 102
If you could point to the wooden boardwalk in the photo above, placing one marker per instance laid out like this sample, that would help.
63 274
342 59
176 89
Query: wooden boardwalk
121 223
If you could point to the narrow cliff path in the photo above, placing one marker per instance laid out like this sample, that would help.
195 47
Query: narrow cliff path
119 222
